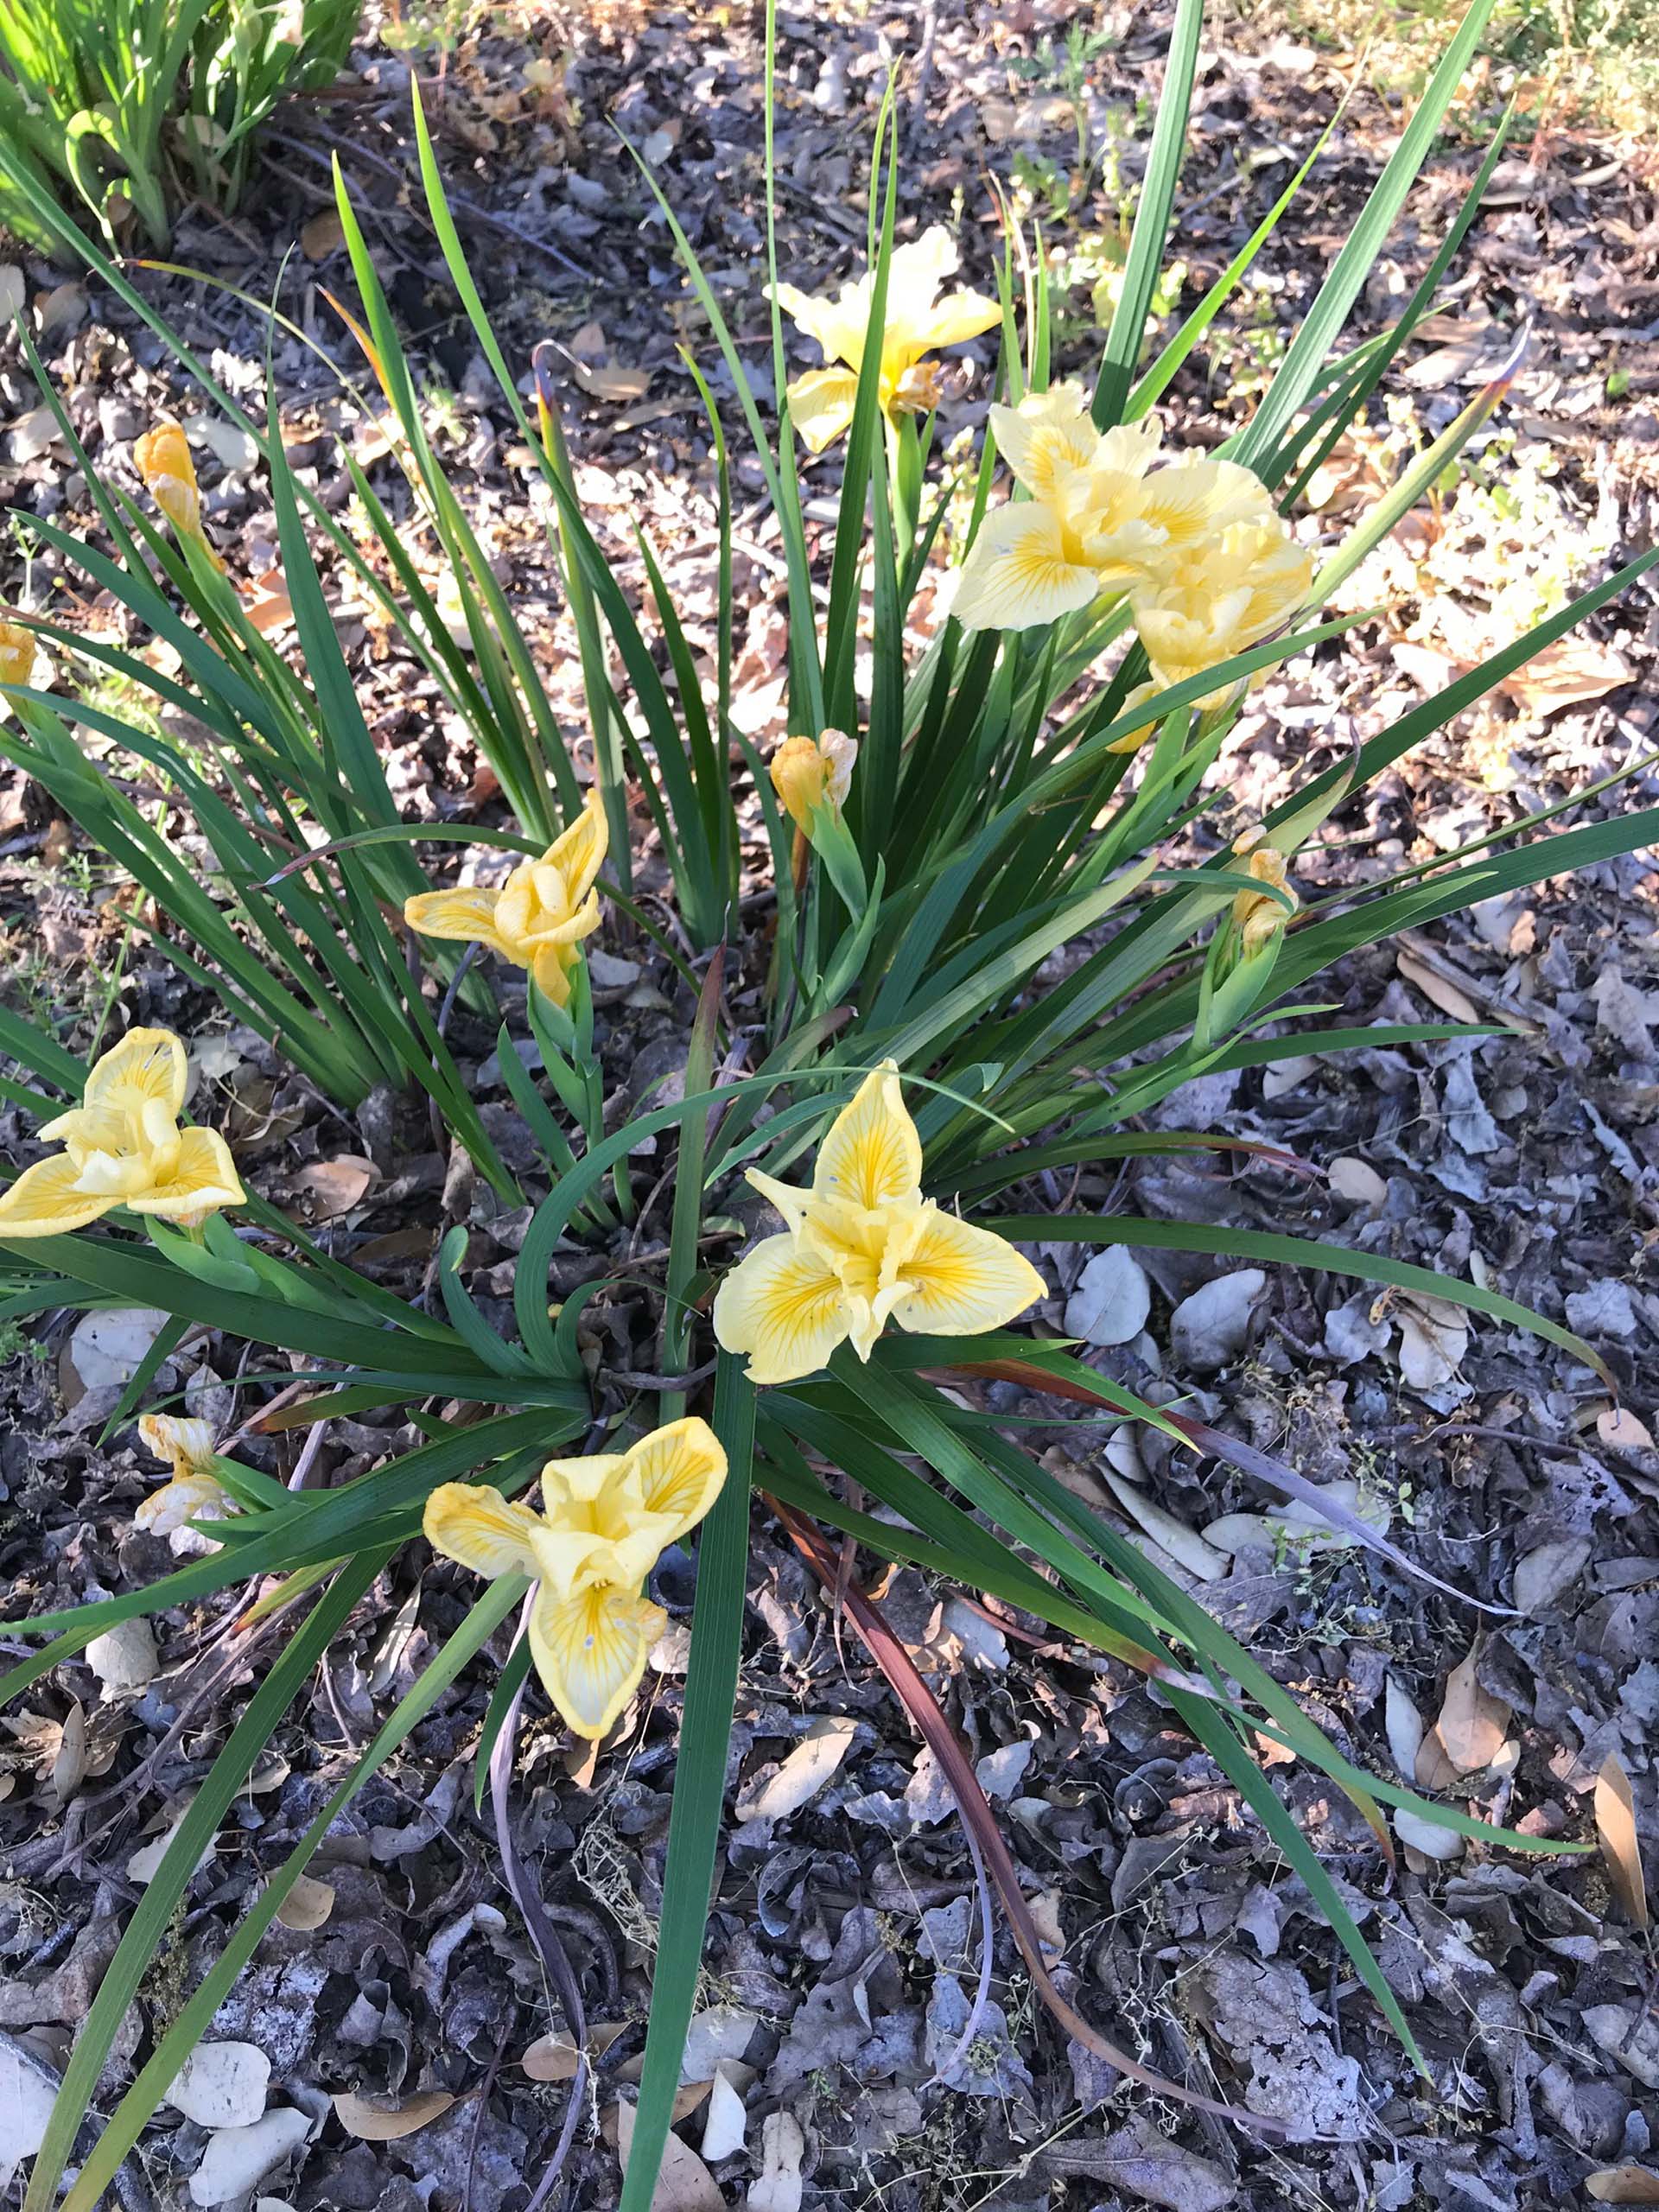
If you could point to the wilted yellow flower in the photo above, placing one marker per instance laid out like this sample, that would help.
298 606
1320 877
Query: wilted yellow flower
122 1146
608 1519
162 458
540 914
193 1491
918 323
862 1248
17 646
809 774
1224 594
1258 915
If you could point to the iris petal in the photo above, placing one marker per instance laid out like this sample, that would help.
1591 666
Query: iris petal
579 852
147 1067
679 1470
185 1443
45 1202
821 405
476 1526
203 1175
1020 574
466 915
590 1652
785 1307
871 1154
958 1280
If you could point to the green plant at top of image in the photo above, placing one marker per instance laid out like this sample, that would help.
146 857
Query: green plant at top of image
987 903
1594 61
128 107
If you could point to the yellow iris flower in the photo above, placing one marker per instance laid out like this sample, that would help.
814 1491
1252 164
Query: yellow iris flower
1208 566
541 913
608 1519
122 1146
862 1248
809 774
1224 593
18 647
1083 531
192 1492
162 459
1258 915
918 323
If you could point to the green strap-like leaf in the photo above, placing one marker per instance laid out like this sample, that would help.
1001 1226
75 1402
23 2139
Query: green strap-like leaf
699 1781
1299 1252
1151 219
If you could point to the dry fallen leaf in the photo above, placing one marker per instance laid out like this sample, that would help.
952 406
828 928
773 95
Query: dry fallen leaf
29 2089
222 2085
370 2121
777 2187
124 1657
1456 1005
1570 671
324 234
553 2057
1358 1181
1184 1545
1433 1337
62 308
307 1905
1623 2185
726 2122
613 381
1616 1832
269 606
330 1187
684 2183
776 1792
1405 1730
1548 1572
69 1767
1469 1734
1617 1426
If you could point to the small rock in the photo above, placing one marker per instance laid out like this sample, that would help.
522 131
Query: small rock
238 2159
608 973
32 434
233 448
222 2085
